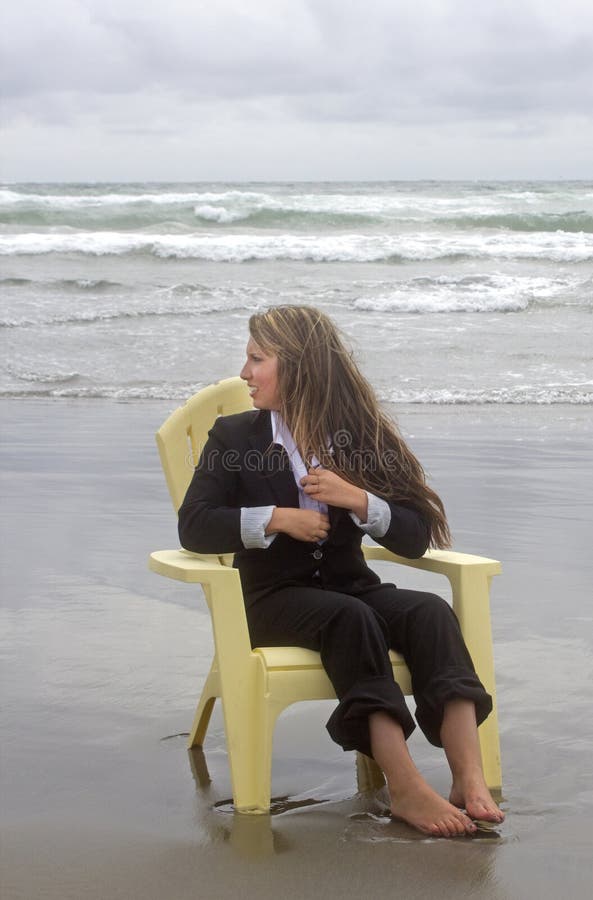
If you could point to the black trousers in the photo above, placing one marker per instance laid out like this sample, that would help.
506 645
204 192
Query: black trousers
353 636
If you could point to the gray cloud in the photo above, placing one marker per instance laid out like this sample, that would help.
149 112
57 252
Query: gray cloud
124 67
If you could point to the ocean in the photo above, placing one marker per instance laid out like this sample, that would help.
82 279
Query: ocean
450 293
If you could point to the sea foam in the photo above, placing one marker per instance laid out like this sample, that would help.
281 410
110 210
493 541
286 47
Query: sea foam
238 248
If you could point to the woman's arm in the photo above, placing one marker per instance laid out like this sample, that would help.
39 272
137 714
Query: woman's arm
209 517
404 531
408 533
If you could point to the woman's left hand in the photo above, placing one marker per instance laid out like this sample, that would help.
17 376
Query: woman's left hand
329 487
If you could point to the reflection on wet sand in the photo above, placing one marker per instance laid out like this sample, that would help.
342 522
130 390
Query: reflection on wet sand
257 836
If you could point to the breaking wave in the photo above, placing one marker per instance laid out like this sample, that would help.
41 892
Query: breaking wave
350 248
57 386
571 394
473 294
465 207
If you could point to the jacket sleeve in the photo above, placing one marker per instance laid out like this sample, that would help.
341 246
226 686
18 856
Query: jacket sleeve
210 516
408 533
399 527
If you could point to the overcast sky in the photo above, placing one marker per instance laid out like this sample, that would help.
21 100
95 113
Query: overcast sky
116 90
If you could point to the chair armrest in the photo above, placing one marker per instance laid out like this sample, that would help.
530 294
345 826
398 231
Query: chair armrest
193 568
444 562
224 596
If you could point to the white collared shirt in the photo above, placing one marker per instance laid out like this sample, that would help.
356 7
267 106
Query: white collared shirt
283 438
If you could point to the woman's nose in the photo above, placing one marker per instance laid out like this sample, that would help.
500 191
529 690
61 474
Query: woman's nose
244 373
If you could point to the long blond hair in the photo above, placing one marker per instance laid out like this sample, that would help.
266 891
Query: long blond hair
333 413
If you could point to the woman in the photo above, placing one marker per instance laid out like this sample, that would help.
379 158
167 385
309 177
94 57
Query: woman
290 488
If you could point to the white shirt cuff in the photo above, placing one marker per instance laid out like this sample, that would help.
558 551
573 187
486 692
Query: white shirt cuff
378 517
254 521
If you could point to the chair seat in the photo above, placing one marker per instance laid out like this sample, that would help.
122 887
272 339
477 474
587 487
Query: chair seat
292 658
293 673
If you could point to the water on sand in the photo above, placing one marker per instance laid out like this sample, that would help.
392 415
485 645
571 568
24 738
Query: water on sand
103 664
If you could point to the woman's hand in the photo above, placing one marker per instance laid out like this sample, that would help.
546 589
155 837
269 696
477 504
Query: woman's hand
329 487
301 524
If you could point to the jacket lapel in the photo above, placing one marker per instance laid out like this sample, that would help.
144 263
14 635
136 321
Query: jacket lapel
270 463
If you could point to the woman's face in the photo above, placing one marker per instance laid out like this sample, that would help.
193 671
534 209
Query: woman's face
261 374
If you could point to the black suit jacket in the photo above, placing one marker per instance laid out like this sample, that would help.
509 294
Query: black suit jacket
240 467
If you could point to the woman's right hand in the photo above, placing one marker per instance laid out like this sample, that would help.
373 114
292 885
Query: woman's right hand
301 524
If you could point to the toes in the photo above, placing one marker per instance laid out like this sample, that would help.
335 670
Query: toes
488 813
484 810
481 810
467 825
453 826
495 816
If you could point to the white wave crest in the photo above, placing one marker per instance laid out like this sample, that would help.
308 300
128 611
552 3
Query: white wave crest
162 198
109 391
535 395
47 377
474 294
219 214
395 201
526 395
556 247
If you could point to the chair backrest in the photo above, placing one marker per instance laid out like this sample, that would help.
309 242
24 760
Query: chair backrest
182 437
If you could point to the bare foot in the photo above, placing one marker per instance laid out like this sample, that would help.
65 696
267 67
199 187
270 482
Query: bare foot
417 804
470 792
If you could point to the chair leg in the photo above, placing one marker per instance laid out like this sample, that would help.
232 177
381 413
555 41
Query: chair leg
210 692
369 776
249 745
249 729
471 602
490 749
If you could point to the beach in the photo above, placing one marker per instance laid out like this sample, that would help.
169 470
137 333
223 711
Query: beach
103 663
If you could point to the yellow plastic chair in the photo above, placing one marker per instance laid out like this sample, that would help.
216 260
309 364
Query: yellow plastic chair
256 685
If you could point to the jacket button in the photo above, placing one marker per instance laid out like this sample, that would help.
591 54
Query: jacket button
318 554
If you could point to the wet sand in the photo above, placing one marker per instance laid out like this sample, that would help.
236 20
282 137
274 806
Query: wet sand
103 662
